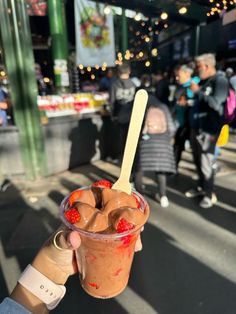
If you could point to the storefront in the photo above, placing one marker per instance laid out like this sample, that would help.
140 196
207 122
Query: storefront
47 134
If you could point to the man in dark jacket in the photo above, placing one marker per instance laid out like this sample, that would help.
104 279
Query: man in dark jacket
121 100
211 96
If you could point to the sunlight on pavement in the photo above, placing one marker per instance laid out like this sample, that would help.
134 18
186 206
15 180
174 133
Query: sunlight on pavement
10 269
138 304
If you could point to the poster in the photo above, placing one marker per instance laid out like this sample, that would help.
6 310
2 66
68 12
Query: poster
94 34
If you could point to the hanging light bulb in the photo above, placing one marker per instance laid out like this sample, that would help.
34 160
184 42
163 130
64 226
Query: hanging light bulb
107 10
137 17
183 10
154 52
164 16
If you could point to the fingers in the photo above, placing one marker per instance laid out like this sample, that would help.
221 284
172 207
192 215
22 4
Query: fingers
74 240
138 245
67 240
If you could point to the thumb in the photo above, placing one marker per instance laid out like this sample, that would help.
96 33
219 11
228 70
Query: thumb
69 240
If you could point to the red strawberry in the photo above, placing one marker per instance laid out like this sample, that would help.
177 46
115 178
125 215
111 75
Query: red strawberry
123 225
137 199
103 184
72 215
74 196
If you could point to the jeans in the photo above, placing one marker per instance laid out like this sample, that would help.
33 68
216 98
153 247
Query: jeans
203 147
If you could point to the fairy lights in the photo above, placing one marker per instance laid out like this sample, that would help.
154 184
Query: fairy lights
217 6
183 10
164 16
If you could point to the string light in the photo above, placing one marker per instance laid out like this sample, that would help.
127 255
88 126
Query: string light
183 10
154 52
93 77
140 54
97 67
127 55
147 39
81 66
2 73
46 79
89 69
147 64
137 17
164 16
107 10
217 7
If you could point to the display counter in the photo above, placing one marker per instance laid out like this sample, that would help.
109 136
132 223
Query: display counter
70 139
71 104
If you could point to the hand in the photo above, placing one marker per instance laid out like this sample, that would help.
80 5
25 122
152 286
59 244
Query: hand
182 101
56 264
194 87
3 105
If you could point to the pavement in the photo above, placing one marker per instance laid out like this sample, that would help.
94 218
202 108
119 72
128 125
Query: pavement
188 261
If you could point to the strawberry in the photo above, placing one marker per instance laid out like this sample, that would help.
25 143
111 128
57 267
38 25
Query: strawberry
74 196
123 225
72 215
103 184
137 199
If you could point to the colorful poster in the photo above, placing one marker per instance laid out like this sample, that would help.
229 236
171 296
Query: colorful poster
36 7
94 34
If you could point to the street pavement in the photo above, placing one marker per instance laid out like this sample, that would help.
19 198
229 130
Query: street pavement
188 261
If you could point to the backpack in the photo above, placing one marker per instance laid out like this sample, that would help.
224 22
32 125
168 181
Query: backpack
230 107
155 122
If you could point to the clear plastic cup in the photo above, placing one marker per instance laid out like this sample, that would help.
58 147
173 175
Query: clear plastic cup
104 260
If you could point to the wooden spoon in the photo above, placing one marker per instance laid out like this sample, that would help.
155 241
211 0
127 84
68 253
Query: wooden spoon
140 103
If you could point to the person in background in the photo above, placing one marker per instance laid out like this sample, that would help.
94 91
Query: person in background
155 151
232 81
3 108
184 100
146 83
211 96
42 87
121 101
106 81
162 91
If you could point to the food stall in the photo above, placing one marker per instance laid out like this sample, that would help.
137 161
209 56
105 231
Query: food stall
75 129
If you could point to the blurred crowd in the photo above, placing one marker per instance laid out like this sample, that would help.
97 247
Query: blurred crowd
185 111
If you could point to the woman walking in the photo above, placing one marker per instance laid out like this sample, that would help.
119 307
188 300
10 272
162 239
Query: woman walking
155 150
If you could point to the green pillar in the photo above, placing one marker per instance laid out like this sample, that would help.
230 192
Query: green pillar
124 32
58 30
19 60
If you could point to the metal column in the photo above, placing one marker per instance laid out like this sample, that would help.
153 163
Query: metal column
58 30
19 60
124 33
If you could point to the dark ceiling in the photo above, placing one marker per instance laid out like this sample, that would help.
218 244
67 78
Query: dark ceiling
197 9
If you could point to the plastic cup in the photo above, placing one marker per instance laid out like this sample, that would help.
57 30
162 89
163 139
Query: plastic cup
104 260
